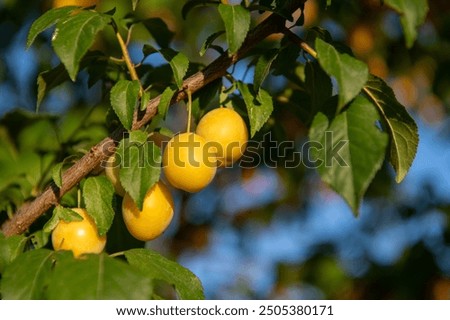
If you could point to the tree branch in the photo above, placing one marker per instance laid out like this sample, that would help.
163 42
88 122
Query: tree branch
29 212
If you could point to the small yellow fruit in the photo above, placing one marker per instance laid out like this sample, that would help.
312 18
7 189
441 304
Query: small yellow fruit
156 214
112 173
78 236
81 3
188 163
227 131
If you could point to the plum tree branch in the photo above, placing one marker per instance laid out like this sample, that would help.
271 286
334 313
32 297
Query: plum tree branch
30 211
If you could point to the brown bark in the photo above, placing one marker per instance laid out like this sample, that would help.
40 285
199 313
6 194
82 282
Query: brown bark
29 212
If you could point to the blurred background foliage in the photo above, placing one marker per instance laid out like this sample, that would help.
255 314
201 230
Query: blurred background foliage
265 231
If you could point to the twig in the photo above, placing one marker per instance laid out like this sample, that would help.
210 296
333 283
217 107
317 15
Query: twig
29 212
189 111
126 57
300 42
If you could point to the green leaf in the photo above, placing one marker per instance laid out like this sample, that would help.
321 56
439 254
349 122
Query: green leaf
262 67
318 85
402 128
52 78
140 165
48 19
145 100
259 108
164 103
75 35
27 276
57 174
98 195
286 61
237 23
48 80
155 266
148 50
159 30
413 14
350 73
318 32
124 98
203 98
179 64
41 136
166 132
10 248
134 4
61 213
39 239
97 277
209 43
349 151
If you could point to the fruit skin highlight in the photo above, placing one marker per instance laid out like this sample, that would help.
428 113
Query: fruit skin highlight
225 128
156 214
78 236
80 3
189 163
112 173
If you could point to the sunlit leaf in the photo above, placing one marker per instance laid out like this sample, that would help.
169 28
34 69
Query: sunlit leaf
350 73
402 128
259 107
98 195
342 153
262 67
145 100
10 248
140 165
179 64
57 174
39 239
48 19
96 277
61 213
164 103
124 98
27 276
155 266
237 23
75 35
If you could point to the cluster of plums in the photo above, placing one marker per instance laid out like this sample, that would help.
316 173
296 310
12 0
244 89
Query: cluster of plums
190 162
